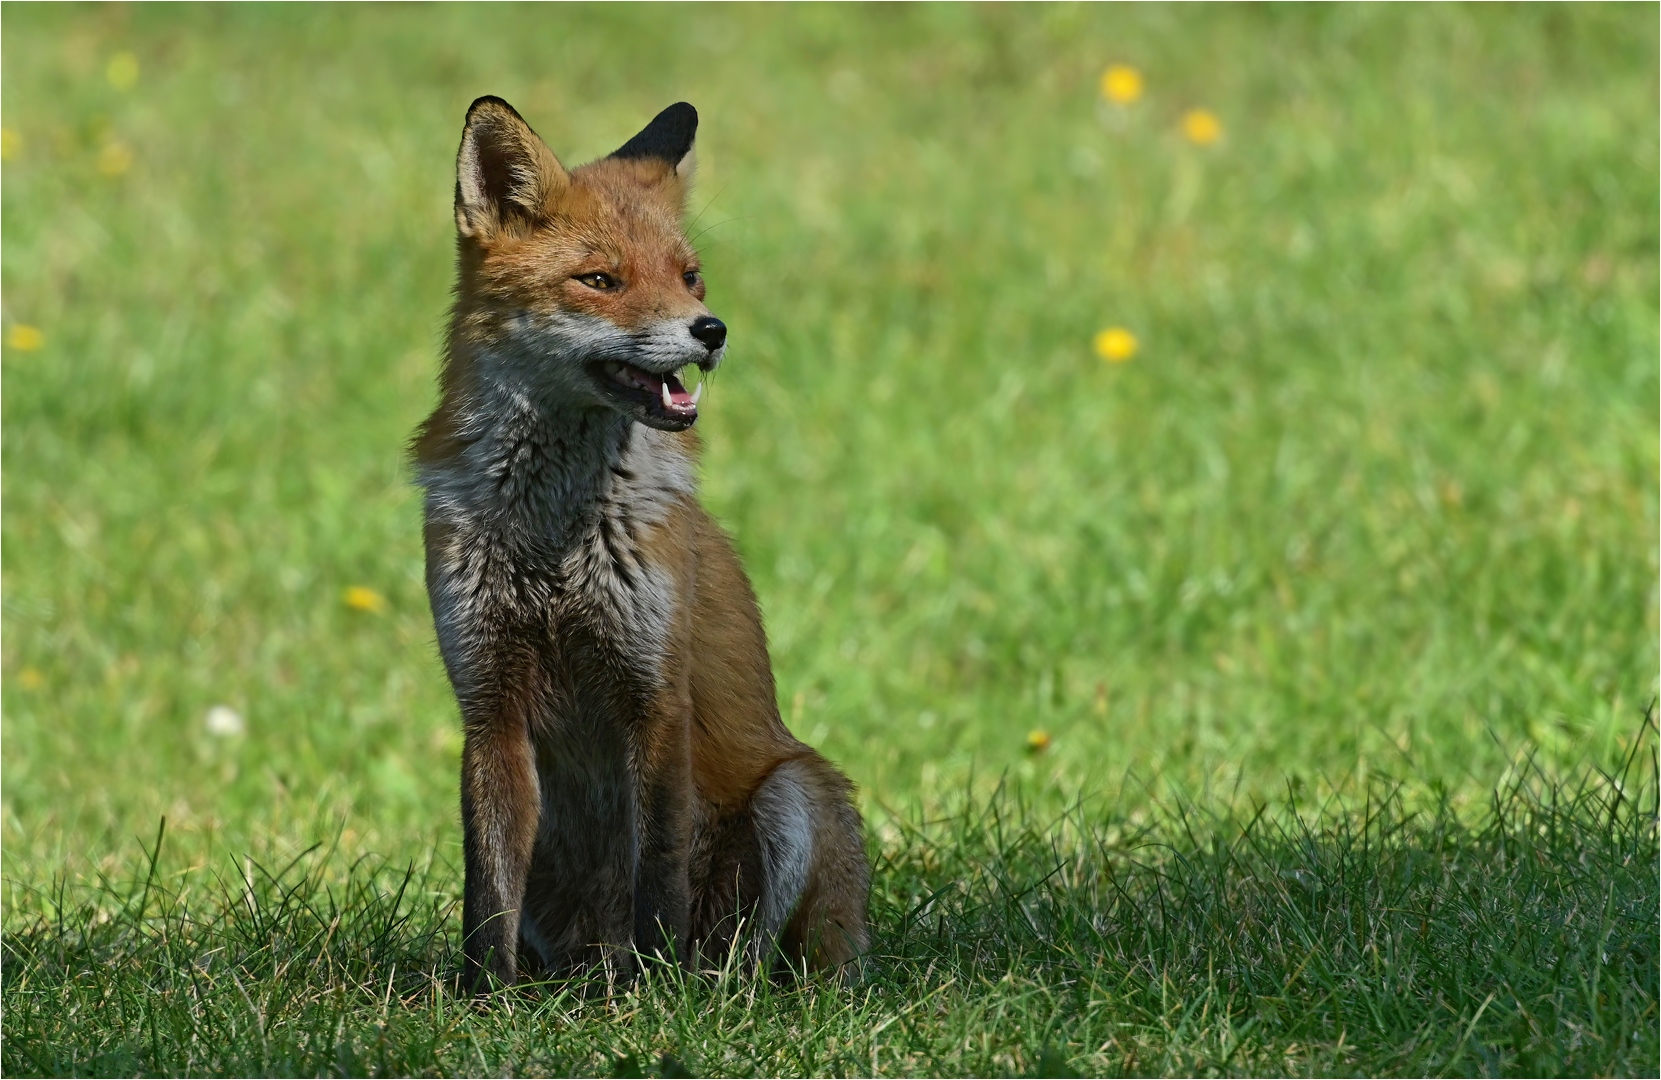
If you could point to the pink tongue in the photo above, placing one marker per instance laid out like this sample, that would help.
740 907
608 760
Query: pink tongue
677 393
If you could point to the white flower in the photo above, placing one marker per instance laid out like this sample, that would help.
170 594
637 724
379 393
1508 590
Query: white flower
224 721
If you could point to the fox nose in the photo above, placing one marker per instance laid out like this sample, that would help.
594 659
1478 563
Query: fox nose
709 330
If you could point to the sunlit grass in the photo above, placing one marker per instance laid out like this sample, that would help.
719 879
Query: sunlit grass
1071 442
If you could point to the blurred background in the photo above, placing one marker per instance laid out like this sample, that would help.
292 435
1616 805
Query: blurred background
1118 397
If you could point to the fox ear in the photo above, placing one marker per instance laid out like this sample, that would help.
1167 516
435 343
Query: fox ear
668 138
505 174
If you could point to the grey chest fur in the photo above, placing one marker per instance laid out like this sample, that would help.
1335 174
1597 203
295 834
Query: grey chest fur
535 533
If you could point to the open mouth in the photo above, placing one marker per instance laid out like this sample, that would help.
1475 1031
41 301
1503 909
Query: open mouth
663 397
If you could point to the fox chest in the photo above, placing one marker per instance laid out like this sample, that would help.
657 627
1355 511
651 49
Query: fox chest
599 614
581 588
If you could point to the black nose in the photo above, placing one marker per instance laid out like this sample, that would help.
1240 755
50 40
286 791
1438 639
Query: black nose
710 330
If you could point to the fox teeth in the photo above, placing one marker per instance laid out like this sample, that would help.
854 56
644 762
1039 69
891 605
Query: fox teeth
696 390
668 402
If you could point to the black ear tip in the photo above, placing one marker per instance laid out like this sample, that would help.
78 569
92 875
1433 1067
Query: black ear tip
669 136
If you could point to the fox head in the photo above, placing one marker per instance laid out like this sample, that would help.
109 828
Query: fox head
581 284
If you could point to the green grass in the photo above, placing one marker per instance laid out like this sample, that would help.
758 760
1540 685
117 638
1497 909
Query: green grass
1370 940
1369 520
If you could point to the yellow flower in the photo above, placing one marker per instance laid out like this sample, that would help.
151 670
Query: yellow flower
31 679
1202 126
25 338
1115 344
1121 84
122 71
1038 741
11 143
115 159
363 598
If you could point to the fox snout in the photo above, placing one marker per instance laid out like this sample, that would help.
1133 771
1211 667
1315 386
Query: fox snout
711 331
649 382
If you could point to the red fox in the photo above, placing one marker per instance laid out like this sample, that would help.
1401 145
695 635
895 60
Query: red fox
627 786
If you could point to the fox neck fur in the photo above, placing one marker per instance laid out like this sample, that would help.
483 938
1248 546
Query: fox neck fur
563 496
515 460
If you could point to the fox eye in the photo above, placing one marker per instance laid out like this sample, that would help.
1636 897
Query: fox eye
598 281
692 277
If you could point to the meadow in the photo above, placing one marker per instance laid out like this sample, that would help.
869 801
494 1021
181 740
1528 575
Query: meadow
1210 510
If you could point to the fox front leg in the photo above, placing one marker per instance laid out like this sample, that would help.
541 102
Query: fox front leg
499 809
662 890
